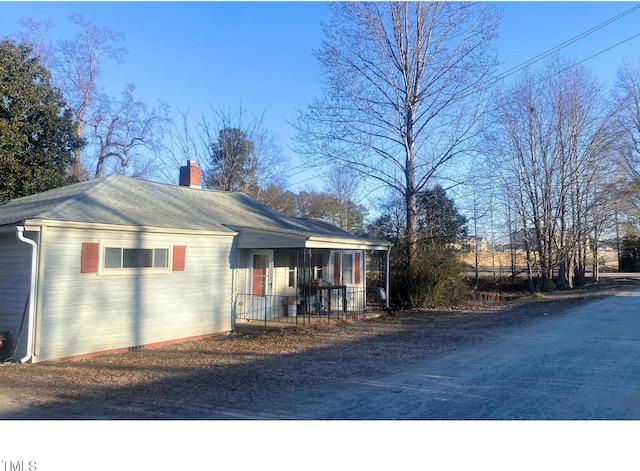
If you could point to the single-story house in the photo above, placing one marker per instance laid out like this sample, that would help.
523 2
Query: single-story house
117 263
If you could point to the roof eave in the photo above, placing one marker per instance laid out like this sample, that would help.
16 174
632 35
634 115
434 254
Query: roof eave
315 242
32 224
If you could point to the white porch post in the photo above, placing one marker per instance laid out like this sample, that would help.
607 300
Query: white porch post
387 277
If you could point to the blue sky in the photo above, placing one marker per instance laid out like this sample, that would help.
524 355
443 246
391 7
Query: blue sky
196 55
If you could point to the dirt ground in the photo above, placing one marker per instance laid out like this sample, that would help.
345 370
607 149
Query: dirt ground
200 379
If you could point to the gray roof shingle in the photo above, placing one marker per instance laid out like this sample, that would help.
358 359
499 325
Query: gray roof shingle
123 201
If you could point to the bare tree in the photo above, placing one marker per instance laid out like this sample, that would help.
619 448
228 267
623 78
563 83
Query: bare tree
343 183
111 127
235 150
77 62
557 145
122 128
36 33
403 83
181 144
627 95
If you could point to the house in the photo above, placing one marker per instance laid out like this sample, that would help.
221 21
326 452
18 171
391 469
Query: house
473 243
116 263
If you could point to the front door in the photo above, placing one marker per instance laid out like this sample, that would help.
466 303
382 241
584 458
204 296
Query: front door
260 286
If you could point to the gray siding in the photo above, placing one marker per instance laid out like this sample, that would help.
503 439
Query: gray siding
15 279
86 313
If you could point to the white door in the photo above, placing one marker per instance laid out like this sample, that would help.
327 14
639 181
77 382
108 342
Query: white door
260 286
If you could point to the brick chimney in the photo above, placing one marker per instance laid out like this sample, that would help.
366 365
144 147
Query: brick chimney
191 175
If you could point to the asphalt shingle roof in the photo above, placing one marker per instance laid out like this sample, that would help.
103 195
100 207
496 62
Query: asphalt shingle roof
123 201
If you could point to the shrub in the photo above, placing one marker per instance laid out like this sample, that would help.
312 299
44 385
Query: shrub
434 280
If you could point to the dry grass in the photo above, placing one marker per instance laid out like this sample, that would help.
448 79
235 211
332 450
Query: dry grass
196 379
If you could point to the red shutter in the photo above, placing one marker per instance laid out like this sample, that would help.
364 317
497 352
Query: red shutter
337 269
179 256
90 257
356 268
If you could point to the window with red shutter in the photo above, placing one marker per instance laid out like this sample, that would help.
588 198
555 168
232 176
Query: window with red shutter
90 257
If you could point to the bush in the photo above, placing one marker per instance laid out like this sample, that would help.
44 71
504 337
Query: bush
435 280
630 256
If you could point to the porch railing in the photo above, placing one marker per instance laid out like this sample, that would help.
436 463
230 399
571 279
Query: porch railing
336 304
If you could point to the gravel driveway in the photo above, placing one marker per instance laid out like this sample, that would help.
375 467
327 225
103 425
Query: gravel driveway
582 365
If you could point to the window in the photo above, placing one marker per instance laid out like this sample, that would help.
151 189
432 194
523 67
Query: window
117 257
112 257
347 269
137 258
161 258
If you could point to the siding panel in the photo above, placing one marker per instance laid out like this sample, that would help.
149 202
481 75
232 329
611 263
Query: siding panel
85 313
15 281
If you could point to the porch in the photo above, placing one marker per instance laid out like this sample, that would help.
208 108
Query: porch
317 304
295 285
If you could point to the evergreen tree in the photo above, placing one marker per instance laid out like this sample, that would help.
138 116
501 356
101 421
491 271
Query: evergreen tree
36 129
234 163
630 256
439 221
435 279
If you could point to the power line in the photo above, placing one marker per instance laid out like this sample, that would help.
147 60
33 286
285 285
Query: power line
567 43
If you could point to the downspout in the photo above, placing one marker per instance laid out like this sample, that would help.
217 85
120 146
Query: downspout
32 290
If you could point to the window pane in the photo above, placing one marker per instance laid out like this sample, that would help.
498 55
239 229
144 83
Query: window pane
292 271
347 269
137 258
161 258
112 257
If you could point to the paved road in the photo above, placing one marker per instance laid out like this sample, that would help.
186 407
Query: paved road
584 364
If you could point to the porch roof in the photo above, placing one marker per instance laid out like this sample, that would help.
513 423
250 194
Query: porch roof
249 238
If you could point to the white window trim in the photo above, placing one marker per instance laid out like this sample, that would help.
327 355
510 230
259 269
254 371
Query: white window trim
140 270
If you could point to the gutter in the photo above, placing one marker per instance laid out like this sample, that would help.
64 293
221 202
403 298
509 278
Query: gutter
32 290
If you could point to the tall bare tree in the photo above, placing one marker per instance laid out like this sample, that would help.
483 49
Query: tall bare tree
554 149
111 127
122 128
627 94
77 62
402 95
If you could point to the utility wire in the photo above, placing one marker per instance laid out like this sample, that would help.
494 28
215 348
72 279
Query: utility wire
567 43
